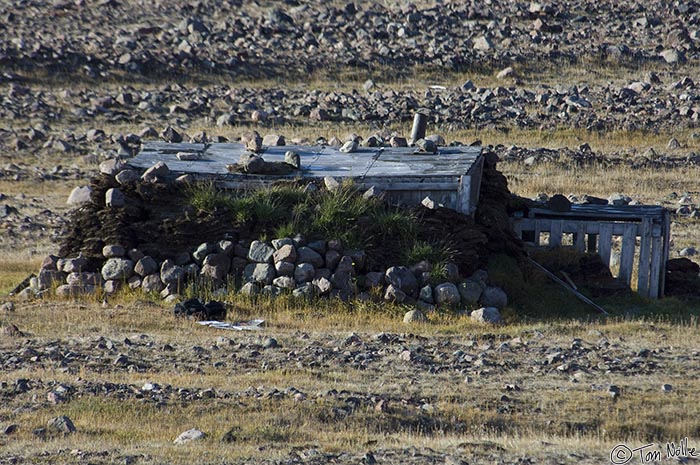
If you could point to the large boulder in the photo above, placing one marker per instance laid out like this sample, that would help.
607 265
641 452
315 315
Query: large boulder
494 297
170 273
304 272
145 266
260 273
401 278
119 269
152 283
470 291
309 255
286 253
447 294
260 252
216 266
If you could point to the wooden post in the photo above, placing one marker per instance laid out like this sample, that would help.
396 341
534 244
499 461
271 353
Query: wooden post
605 242
537 233
644 255
420 122
629 242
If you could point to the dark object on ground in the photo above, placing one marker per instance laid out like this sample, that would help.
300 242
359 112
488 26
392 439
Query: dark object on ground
193 308
682 277
559 203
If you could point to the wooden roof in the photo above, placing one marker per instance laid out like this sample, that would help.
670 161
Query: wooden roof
316 161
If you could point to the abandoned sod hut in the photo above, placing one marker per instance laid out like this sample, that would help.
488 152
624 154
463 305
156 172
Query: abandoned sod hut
450 177
134 232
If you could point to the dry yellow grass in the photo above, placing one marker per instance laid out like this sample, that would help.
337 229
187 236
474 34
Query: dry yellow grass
553 411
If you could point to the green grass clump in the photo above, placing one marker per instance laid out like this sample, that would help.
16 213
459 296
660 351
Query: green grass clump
205 197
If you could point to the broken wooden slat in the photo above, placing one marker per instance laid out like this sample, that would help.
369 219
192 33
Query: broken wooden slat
627 255
644 256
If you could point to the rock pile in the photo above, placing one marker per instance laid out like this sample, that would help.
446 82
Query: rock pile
320 268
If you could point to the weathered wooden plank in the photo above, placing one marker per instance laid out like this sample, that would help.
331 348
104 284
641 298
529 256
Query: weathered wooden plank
666 244
555 233
602 212
629 244
644 266
580 237
658 268
463 196
591 227
605 242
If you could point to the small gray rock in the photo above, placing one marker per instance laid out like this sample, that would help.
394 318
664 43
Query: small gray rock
285 268
113 251
293 159
415 316
284 282
114 198
156 173
394 294
250 289
331 183
189 435
79 195
306 291
170 273
486 315
426 294
62 424
126 176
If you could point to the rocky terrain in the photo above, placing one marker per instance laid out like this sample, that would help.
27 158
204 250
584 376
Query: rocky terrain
574 97
453 390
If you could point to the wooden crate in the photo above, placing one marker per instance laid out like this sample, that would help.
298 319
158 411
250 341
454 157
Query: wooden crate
594 228
451 177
